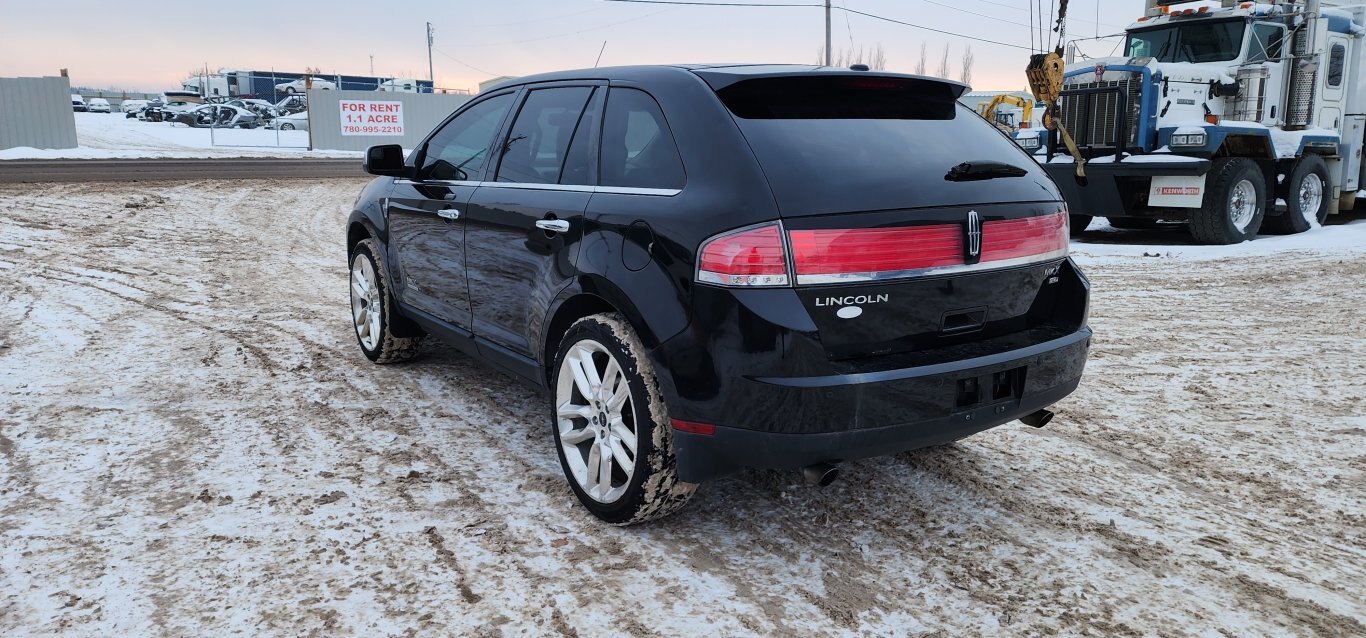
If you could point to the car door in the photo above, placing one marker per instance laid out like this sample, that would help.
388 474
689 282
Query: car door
524 224
425 214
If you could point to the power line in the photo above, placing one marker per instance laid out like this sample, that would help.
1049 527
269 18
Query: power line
917 26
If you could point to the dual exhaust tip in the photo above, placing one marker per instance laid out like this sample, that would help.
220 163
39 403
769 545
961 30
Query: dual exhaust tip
825 473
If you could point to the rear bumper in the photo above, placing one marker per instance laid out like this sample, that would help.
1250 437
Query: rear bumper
885 412
1112 187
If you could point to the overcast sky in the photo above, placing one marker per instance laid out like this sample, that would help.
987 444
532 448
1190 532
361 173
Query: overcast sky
150 46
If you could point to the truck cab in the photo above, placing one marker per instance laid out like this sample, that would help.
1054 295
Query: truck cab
1215 113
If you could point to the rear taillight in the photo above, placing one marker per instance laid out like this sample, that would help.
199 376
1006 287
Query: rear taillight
875 251
1026 238
752 256
758 256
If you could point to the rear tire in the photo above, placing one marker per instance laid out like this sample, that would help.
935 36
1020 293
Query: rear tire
286 127
611 428
1078 224
1235 203
1132 223
374 319
1306 200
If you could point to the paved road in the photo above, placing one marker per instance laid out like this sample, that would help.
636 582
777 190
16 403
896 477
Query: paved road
122 170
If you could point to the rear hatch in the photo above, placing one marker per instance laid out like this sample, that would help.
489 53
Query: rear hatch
895 244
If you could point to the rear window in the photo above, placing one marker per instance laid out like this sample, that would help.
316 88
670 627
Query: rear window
840 143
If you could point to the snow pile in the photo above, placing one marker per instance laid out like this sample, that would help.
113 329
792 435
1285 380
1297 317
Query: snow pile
113 136
1104 243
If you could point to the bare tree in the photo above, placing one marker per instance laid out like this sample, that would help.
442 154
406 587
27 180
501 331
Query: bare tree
924 54
878 59
943 71
966 75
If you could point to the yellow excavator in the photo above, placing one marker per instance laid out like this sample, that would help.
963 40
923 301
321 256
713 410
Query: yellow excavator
989 112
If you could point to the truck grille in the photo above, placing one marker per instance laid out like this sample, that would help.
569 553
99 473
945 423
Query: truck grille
1097 126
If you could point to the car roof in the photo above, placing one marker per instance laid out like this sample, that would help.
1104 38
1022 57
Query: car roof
716 75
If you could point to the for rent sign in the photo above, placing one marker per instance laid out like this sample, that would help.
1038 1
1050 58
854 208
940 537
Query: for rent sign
364 117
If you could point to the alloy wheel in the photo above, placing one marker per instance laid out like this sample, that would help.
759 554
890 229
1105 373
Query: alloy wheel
595 417
1311 197
366 309
1242 204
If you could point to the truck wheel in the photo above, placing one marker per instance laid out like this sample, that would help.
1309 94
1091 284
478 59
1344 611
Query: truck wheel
1234 203
1306 198
1078 224
1132 223
611 429
384 335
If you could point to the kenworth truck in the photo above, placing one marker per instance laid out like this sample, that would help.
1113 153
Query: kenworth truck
1215 114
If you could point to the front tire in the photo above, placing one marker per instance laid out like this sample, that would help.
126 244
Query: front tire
611 428
286 127
1306 198
1235 203
372 309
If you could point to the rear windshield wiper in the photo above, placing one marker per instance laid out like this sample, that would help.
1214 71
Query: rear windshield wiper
987 169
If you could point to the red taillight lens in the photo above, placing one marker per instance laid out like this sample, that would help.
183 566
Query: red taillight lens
874 251
690 427
1041 237
751 257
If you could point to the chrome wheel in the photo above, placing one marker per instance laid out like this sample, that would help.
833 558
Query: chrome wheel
595 418
366 307
1242 204
1311 197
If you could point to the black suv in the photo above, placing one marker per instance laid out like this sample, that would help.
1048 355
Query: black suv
717 267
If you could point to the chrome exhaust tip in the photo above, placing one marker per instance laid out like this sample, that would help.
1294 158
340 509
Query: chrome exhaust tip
821 474
1037 419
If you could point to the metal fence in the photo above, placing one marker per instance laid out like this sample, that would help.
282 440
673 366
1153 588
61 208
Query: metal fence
36 112
354 120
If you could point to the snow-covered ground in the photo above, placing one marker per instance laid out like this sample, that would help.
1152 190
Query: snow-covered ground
191 444
111 135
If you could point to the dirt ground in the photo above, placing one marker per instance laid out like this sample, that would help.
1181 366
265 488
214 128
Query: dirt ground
192 444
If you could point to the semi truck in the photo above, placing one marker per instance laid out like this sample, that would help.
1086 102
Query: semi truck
1213 115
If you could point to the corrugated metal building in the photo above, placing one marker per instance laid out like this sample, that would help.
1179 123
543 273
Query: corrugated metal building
36 112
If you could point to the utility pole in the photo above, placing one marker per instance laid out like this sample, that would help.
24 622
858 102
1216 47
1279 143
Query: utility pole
827 33
372 65
430 74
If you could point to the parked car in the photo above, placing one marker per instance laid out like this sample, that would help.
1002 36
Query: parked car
78 103
292 104
291 122
262 108
712 268
219 116
132 106
300 85
98 105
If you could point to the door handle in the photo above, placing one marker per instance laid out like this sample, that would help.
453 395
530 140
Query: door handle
553 225
448 213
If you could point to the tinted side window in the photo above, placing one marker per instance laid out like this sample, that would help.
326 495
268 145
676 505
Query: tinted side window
580 160
1266 43
536 145
460 149
1337 59
638 150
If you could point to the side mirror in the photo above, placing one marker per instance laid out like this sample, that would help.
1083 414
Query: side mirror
386 159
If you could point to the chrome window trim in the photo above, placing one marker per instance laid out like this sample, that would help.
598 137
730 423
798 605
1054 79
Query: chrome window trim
573 188
849 278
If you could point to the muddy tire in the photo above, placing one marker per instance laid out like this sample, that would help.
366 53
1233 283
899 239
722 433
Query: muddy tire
1132 223
1078 223
611 428
1308 190
1235 203
384 336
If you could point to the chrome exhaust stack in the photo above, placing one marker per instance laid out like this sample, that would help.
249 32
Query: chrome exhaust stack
1037 419
820 474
